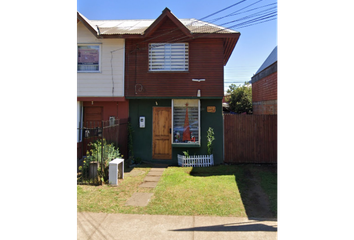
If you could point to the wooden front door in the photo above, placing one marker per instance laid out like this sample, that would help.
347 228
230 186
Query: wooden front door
161 133
93 117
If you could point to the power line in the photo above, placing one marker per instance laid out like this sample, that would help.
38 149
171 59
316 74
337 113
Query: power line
224 9
263 18
254 9
257 23
187 24
240 25
254 14
266 15
234 82
254 21
214 20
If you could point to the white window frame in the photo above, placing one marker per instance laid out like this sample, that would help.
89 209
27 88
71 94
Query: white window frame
99 58
196 144
168 57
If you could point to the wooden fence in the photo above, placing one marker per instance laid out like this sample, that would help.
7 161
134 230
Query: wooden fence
250 138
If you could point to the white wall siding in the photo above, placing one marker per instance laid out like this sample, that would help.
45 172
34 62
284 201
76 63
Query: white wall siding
100 84
79 119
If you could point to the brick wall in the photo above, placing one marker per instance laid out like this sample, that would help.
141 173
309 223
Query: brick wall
264 95
265 89
265 107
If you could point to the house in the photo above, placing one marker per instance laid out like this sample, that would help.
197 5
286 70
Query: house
264 86
173 81
174 84
100 81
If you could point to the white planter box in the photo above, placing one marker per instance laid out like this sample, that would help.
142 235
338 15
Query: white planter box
195 160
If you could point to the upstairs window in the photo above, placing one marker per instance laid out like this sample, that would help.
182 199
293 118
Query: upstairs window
88 58
168 57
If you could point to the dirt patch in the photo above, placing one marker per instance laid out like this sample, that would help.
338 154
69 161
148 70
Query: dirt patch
255 200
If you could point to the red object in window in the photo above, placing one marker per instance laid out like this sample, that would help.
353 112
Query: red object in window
186 130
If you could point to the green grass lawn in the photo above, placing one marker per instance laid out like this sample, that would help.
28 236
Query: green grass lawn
180 191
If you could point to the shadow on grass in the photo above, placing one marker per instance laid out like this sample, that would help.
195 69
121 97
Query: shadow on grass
256 184
128 169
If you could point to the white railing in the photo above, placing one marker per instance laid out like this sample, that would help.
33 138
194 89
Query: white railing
195 160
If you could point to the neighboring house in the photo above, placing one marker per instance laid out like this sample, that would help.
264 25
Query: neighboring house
264 86
174 83
100 79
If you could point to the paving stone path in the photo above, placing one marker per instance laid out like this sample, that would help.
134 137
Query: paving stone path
150 181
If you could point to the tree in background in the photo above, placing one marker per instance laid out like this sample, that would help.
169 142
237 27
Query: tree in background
240 99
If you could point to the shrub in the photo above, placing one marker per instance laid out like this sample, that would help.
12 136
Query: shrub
210 138
101 154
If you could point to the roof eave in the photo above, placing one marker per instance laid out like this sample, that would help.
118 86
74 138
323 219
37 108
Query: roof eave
125 36
229 46
82 19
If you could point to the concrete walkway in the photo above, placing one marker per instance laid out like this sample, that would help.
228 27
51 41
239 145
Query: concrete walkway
133 226
150 181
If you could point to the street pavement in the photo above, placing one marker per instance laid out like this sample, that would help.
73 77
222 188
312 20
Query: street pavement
135 226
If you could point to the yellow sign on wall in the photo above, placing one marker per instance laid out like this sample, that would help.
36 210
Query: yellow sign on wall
211 109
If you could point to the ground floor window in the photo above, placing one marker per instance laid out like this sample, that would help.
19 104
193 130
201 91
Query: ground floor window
186 121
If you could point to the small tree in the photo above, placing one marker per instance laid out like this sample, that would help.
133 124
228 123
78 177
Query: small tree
211 138
240 99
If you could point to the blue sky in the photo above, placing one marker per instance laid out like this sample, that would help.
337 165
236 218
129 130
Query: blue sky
255 43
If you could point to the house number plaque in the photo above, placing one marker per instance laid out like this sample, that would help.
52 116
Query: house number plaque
211 109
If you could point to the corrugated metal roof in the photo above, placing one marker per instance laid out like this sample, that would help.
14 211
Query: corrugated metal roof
109 27
272 58
197 26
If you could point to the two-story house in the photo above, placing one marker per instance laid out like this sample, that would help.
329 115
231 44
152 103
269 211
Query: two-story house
174 84
100 79
173 80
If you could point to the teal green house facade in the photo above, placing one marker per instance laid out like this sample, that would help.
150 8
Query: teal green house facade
143 144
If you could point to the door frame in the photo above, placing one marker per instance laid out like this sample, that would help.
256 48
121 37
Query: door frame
170 143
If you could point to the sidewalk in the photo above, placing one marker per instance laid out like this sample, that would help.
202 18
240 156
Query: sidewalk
133 226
